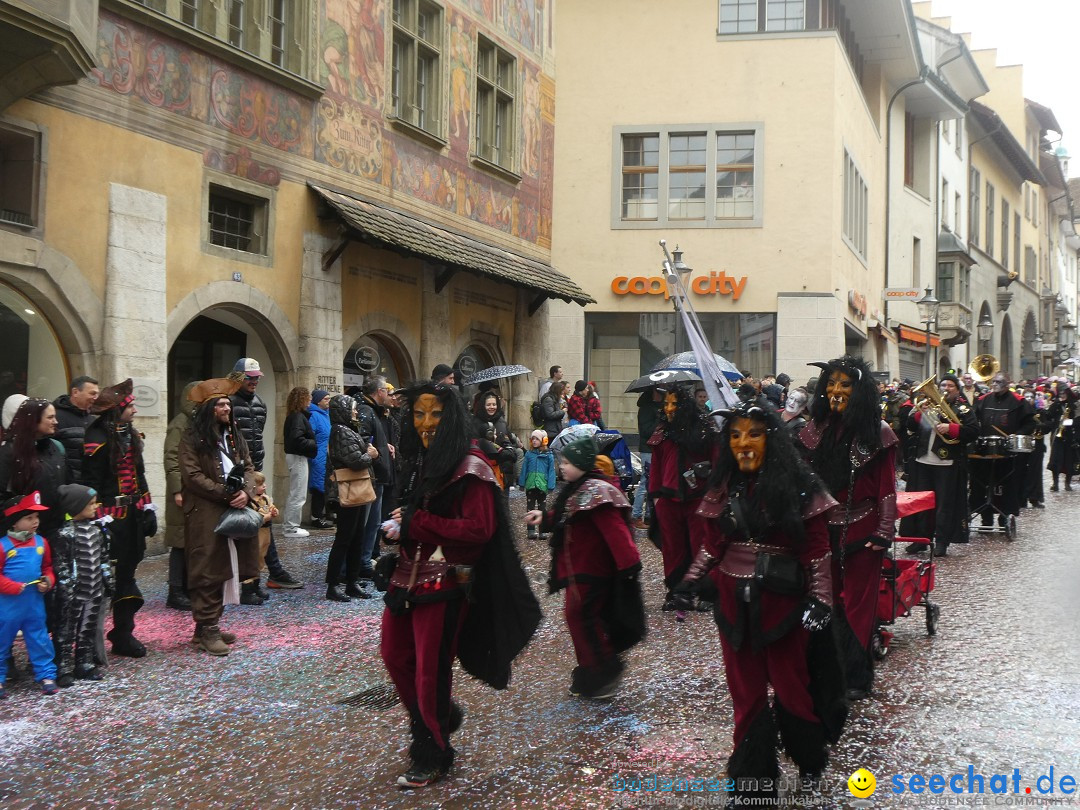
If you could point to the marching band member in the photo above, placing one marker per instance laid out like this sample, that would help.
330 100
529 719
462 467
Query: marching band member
1000 413
1064 453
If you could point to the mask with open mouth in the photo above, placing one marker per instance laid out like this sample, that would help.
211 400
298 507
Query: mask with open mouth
747 441
838 389
427 412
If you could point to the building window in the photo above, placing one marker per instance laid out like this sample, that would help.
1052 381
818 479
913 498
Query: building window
856 204
952 282
957 213
156 5
1005 234
496 82
960 137
20 168
640 164
738 16
1035 207
416 64
702 178
944 204
1027 202
1016 242
1030 264
909 150
785 15
975 212
237 220
237 24
278 30
989 220
189 12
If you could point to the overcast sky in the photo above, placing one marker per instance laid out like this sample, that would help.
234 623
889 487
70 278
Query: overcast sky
1042 35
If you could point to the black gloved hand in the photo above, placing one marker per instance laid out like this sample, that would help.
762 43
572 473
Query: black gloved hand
683 596
816 615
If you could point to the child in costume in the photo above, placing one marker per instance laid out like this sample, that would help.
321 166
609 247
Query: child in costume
252 592
537 474
25 576
593 557
92 580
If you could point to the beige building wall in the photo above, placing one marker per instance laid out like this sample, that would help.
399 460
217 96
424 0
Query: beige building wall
800 89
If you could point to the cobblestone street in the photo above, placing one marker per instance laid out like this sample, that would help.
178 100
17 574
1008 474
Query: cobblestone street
997 689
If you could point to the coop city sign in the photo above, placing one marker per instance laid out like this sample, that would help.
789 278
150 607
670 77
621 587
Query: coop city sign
713 284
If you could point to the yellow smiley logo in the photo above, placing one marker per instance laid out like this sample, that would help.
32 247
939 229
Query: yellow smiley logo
862 783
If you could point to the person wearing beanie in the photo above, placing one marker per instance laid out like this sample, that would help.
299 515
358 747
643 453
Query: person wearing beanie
594 559
443 374
92 583
537 475
114 468
319 419
26 574
940 466
11 407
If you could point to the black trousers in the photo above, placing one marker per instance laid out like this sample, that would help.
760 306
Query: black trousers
534 499
347 553
947 522
318 503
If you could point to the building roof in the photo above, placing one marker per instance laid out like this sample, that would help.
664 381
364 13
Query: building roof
384 227
1044 115
1010 148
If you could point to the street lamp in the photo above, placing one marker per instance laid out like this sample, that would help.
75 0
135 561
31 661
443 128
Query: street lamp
928 309
985 330
676 271
1036 351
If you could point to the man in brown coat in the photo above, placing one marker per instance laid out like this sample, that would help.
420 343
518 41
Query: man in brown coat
215 473
174 513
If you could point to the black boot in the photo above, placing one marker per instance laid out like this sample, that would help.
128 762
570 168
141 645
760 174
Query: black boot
804 742
260 590
1054 486
858 665
122 635
1068 483
249 594
336 593
355 590
429 763
178 599
753 764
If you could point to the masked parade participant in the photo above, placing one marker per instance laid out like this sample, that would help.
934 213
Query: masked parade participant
854 453
767 550
940 466
114 468
457 587
1001 413
1064 450
681 444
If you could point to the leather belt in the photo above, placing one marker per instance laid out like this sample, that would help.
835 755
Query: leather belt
124 500
740 559
858 511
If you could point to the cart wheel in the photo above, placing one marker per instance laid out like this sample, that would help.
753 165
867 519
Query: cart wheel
878 647
1010 528
932 613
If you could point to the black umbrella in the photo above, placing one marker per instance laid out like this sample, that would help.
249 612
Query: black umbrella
664 377
688 362
495 373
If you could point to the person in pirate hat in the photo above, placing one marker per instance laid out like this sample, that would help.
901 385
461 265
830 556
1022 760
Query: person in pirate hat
25 576
854 452
216 473
114 468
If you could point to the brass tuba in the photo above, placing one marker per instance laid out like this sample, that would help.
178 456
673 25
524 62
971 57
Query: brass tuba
928 388
984 367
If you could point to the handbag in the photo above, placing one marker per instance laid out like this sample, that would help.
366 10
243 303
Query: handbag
235 522
354 486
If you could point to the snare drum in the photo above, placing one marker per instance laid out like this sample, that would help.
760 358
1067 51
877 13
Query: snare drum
990 446
1021 444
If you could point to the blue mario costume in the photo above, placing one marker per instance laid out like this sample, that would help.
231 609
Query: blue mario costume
24 562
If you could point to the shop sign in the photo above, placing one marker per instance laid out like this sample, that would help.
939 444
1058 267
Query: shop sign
713 284
367 358
902 294
857 301
147 393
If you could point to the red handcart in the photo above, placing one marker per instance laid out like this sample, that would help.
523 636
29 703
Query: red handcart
906 584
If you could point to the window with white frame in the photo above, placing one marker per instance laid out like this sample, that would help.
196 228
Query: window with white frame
416 64
743 16
959 137
738 16
785 15
989 219
1005 233
975 205
944 204
856 205
957 212
496 83
693 176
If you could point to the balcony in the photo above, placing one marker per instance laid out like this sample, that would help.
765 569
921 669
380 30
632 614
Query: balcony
44 43
954 323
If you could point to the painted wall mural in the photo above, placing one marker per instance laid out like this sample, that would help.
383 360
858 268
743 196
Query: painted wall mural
167 74
346 129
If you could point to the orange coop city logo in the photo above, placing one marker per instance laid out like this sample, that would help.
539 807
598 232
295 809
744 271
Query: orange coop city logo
715 283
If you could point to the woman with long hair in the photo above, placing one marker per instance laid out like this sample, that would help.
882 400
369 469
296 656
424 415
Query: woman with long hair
854 453
498 443
553 407
347 450
767 553
31 459
300 446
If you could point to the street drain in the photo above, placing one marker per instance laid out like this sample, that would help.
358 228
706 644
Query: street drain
378 697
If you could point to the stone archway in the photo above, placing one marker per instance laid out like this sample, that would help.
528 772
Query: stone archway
257 308
392 331
59 291
1005 353
1029 359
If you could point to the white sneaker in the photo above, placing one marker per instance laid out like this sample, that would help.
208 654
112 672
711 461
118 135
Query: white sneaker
297 532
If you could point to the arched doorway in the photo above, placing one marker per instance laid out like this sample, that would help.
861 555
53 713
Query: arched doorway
1029 360
206 348
473 358
377 353
31 358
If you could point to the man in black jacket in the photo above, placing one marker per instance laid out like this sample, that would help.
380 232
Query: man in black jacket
72 418
249 412
374 413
